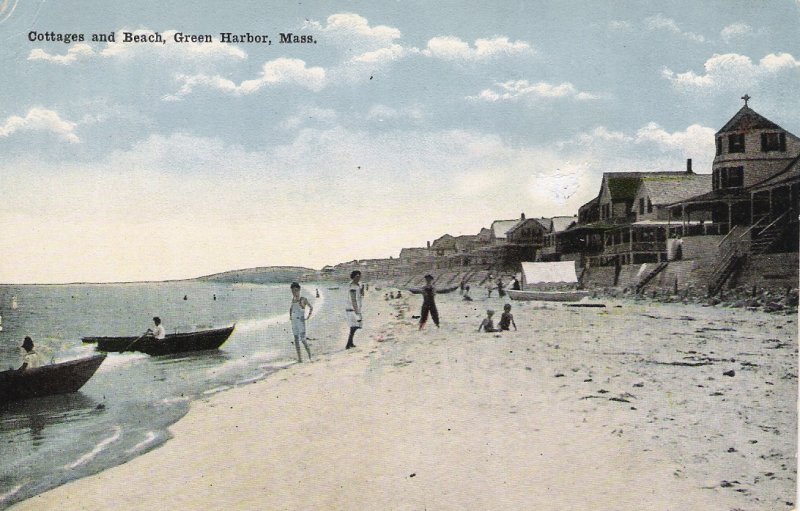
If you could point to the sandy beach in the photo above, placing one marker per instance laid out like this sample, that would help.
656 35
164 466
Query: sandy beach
632 406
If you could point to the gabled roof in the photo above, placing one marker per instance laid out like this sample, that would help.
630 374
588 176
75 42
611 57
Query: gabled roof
561 223
444 242
414 251
591 204
747 119
542 223
669 189
501 227
623 185
484 234
545 222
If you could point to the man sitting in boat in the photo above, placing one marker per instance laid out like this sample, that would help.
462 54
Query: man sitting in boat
32 359
158 332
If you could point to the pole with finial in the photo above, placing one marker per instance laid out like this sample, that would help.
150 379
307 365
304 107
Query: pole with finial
746 98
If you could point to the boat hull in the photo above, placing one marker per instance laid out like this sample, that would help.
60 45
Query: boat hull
548 296
173 343
62 378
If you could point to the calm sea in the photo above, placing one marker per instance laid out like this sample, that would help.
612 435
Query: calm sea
125 409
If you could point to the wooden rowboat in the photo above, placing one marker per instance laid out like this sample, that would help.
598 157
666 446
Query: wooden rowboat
173 343
62 378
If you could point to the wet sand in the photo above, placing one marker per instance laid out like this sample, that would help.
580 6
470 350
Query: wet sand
616 408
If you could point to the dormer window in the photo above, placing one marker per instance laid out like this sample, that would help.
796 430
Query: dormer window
736 143
773 142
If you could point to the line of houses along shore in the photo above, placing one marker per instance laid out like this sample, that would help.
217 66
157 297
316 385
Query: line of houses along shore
675 230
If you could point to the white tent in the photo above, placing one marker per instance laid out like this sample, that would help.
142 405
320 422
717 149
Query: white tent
562 272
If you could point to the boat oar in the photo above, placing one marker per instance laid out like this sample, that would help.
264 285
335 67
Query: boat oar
129 346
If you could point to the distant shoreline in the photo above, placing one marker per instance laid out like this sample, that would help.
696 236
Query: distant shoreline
213 277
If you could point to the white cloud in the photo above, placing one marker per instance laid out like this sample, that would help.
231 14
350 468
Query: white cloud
514 90
382 55
454 49
735 30
350 29
274 72
80 51
598 136
731 69
40 119
651 147
195 53
382 113
660 22
620 25
695 141
364 48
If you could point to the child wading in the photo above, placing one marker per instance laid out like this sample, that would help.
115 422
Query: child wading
297 315
487 325
507 319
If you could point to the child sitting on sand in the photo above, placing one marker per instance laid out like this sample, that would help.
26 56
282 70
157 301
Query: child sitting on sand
507 319
487 325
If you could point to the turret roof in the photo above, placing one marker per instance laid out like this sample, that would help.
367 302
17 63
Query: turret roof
747 119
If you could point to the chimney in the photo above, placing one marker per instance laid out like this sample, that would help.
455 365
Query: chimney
429 245
689 166
522 216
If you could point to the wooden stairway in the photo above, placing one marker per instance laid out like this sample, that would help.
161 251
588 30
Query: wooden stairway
650 276
730 264
764 239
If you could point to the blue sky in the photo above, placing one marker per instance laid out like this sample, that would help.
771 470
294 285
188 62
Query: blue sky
405 120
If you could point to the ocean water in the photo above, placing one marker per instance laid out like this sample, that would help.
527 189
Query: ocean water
126 408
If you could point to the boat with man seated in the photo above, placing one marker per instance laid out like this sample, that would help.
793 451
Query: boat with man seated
172 343
46 380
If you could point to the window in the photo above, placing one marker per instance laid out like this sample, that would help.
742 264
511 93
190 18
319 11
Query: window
728 177
736 143
735 177
641 206
649 205
773 142
719 146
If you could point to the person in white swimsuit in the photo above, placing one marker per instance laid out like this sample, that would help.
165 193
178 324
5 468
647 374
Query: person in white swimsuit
297 316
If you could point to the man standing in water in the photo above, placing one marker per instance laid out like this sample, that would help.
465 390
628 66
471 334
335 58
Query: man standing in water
428 303
297 316
353 309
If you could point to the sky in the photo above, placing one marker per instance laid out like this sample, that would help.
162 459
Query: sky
400 122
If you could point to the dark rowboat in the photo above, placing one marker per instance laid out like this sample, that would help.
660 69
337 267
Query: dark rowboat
173 343
61 378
